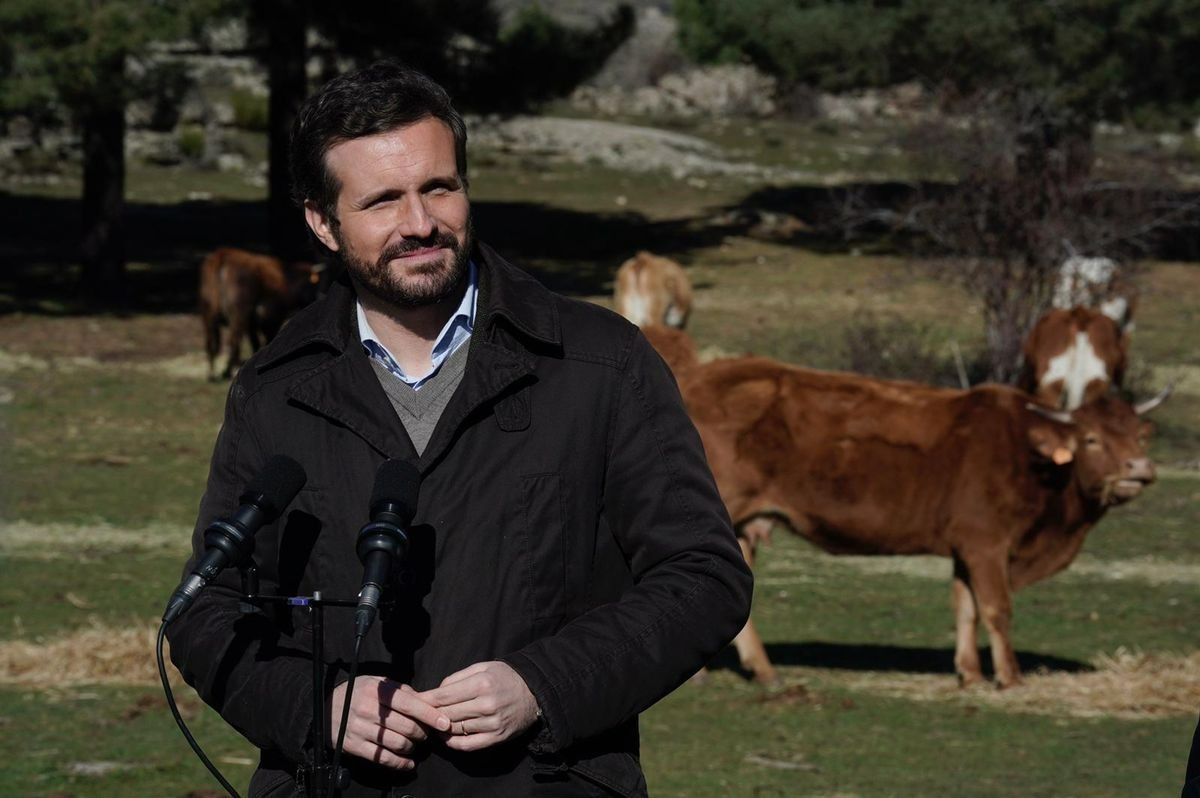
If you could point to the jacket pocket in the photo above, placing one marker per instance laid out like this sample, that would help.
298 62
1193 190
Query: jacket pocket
271 784
544 529
617 772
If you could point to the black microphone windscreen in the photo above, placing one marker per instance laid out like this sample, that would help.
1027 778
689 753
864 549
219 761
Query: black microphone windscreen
276 485
398 483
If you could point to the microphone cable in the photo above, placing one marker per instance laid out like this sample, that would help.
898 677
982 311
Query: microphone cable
166 683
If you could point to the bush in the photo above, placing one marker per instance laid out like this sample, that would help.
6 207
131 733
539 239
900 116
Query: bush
250 111
191 142
898 349
165 87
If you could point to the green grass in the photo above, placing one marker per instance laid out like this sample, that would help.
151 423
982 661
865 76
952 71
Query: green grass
47 733
105 444
846 743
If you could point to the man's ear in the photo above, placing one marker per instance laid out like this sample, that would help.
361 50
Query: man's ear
320 224
1052 442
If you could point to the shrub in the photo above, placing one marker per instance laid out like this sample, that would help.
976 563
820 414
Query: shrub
249 111
191 142
898 349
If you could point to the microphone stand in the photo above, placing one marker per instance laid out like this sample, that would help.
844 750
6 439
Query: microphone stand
317 776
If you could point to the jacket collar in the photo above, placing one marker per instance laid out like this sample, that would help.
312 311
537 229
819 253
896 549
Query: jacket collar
509 293
505 293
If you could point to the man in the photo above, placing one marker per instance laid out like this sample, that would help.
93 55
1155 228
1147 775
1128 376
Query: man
571 561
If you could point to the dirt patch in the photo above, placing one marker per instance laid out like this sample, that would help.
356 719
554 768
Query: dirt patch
95 655
107 339
1124 685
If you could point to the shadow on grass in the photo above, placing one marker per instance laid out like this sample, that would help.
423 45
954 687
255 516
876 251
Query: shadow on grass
888 658
857 214
574 252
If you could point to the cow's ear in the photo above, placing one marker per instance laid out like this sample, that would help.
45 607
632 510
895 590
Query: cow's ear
320 224
1052 443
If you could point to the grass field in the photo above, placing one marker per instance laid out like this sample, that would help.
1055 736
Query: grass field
107 424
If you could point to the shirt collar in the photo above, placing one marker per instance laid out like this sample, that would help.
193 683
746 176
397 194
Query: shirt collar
454 333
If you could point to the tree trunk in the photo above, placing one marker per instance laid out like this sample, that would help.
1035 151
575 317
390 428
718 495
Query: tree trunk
286 57
102 249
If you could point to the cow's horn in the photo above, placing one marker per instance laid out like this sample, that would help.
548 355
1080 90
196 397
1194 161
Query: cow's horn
1061 416
1142 408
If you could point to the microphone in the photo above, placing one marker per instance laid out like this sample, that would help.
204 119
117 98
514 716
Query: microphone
231 541
384 539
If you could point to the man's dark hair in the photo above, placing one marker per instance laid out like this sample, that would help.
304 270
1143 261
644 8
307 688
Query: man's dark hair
383 96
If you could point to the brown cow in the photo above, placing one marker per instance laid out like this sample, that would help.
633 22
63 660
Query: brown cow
857 465
653 290
1072 357
253 294
674 346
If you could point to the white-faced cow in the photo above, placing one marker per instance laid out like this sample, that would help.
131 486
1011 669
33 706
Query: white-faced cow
253 294
653 290
1071 357
1006 489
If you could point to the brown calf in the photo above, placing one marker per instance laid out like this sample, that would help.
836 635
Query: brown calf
1072 357
253 294
653 290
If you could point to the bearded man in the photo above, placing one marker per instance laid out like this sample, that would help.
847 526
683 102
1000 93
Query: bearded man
571 561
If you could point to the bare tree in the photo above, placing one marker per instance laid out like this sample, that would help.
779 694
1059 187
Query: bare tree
1020 195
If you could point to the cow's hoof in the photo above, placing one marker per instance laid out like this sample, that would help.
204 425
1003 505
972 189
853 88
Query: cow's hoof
968 680
1008 684
770 680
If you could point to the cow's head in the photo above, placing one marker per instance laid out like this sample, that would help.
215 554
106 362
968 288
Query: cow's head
1108 446
307 281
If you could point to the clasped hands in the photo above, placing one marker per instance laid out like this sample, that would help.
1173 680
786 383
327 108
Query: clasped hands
477 707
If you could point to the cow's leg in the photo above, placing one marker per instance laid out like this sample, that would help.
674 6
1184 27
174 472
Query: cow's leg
966 619
252 332
751 652
237 329
212 342
989 583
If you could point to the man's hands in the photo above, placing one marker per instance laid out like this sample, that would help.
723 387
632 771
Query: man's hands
477 707
487 704
387 719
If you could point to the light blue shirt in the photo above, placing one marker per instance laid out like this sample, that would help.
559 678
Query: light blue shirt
453 335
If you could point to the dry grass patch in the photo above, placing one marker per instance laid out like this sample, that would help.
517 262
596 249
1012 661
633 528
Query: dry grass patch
192 366
72 541
1124 685
96 655
1151 570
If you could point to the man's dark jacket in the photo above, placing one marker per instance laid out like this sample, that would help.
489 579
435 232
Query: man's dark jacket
568 524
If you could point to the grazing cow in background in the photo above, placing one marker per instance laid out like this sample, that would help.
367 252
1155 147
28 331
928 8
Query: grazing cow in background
1072 357
653 290
1006 489
1096 283
253 294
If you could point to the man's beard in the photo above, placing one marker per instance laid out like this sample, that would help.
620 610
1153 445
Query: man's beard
425 284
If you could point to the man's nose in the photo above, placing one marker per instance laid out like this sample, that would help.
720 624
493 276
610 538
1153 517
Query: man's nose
415 219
